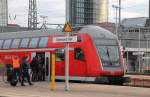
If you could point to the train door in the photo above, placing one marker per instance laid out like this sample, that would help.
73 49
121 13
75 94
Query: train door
43 65
47 66
33 54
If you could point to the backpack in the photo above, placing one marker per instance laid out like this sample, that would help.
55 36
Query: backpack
13 82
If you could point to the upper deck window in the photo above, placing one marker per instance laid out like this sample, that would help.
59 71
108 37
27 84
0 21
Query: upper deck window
1 43
15 43
24 42
7 44
33 42
43 42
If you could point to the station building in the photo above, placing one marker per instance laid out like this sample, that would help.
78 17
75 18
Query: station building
135 39
3 13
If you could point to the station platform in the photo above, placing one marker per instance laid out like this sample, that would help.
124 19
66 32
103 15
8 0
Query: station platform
139 80
42 89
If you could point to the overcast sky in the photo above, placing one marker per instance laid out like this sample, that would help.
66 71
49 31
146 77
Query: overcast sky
55 10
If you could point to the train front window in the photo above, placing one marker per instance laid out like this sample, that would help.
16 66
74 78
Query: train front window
109 55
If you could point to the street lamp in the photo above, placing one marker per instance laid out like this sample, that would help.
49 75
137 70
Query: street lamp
116 7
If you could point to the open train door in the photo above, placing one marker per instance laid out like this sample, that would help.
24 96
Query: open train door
47 66
33 54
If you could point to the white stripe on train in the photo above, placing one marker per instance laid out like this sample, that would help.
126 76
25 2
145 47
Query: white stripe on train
77 78
40 49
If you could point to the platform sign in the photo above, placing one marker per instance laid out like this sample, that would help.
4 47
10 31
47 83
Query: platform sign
138 53
65 39
68 38
145 57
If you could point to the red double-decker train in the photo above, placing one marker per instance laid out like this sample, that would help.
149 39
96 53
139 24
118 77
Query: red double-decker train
95 56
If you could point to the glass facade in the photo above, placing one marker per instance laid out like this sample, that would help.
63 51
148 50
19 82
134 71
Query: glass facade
82 12
3 13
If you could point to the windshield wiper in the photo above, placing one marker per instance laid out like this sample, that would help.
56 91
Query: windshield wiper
109 56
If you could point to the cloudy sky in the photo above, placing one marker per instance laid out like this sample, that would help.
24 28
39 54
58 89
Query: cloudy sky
55 10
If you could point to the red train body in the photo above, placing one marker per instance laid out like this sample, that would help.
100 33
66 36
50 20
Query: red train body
96 53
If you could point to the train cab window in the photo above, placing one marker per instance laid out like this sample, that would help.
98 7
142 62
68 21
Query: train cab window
33 42
24 42
15 43
59 55
7 44
79 55
1 43
43 42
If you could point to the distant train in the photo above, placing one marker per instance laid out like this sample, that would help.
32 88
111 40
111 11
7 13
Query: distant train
96 55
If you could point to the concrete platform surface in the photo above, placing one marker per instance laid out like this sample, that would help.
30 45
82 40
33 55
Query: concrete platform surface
146 77
42 89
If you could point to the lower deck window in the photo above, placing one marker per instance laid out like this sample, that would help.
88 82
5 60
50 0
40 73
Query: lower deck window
79 55
59 55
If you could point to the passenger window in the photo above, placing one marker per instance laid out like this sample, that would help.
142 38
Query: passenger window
59 55
7 44
24 42
1 43
79 55
79 39
15 43
33 43
43 42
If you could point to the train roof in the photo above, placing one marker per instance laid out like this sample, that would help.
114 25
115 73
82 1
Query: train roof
92 30
20 34
97 32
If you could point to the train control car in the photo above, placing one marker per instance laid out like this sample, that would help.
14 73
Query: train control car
94 57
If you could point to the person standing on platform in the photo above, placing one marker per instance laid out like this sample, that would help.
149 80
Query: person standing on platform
1 65
16 67
25 71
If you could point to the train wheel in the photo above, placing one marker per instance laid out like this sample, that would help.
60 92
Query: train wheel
115 81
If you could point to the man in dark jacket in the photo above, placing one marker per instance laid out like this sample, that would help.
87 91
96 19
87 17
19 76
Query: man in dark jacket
25 71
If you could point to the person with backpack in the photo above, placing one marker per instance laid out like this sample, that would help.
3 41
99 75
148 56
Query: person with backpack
25 71
15 76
